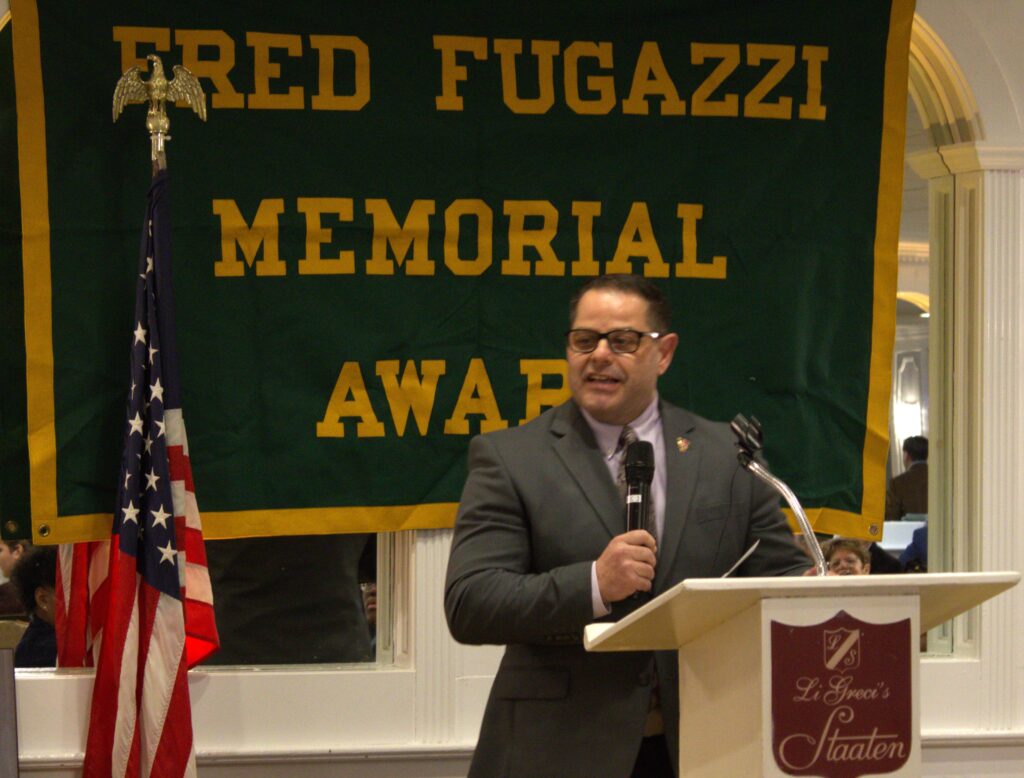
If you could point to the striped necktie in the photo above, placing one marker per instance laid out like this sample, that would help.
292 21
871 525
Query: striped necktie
627 437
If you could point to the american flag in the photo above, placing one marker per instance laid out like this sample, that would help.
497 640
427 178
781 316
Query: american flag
140 605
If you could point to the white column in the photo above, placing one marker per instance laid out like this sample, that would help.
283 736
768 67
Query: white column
978 255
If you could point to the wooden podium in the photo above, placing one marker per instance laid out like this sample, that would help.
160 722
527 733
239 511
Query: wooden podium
799 676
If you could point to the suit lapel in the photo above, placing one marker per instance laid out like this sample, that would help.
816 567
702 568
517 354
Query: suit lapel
575 446
682 468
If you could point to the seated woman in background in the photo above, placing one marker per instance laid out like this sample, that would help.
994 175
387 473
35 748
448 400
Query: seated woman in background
846 556
35 578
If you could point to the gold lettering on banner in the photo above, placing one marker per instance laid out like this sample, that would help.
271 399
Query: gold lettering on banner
602 86
413 232
637 240
754 104
266 70
519 237
585 213
651 78
316 235
453 216
812 107
689 267
325 98
234 232
451 71
411 392
539 397
475 398
532 225
349 400
508 49
588 70
223 94
728 56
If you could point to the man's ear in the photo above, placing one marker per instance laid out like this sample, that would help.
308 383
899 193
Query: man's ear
666 349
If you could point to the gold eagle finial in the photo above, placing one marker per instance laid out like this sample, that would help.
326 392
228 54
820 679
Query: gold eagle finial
157 91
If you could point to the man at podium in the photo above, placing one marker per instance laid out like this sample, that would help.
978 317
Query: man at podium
540 548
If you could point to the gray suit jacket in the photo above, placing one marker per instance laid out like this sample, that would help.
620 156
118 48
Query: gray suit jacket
538 508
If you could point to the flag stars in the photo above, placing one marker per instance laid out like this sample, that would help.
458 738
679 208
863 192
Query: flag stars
160 517
167 553
148 443
160 428
135 424
140 334
156 391
131 513
127 475
152 353
151 479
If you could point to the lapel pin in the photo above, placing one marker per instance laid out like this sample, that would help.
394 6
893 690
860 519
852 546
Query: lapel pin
682 444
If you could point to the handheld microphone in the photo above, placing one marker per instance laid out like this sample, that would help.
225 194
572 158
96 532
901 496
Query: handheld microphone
639 474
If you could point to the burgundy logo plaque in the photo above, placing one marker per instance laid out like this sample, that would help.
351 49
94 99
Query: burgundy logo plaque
841 697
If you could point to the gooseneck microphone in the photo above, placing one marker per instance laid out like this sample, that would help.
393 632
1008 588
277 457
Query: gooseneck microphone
749 440
639 474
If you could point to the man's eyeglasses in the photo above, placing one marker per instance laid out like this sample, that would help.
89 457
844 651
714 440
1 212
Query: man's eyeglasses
619 341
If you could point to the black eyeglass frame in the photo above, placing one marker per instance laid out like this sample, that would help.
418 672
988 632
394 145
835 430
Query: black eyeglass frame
607 336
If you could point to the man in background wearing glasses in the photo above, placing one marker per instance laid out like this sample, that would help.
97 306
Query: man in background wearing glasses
540 550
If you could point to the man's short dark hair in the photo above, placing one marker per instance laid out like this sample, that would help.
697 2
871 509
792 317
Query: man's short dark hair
916 448
659 310
37 567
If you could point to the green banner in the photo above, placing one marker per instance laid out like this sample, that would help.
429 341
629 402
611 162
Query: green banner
378 228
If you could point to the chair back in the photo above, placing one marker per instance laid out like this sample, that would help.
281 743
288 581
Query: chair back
11 632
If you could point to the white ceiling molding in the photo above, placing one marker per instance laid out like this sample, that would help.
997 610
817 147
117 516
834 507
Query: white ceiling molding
939 89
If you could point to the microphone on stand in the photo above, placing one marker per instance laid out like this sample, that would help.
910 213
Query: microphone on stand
749 440
639 474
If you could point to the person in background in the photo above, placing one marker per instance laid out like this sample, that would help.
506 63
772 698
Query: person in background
35 578
908 492
291 599
882 562
846 556
914 558
10 603
369 590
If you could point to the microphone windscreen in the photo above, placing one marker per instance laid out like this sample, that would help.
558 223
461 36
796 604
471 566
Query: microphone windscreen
640 461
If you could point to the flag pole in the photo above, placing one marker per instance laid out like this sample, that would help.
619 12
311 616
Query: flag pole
76 584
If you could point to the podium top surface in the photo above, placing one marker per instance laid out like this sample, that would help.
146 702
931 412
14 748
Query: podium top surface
696 605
